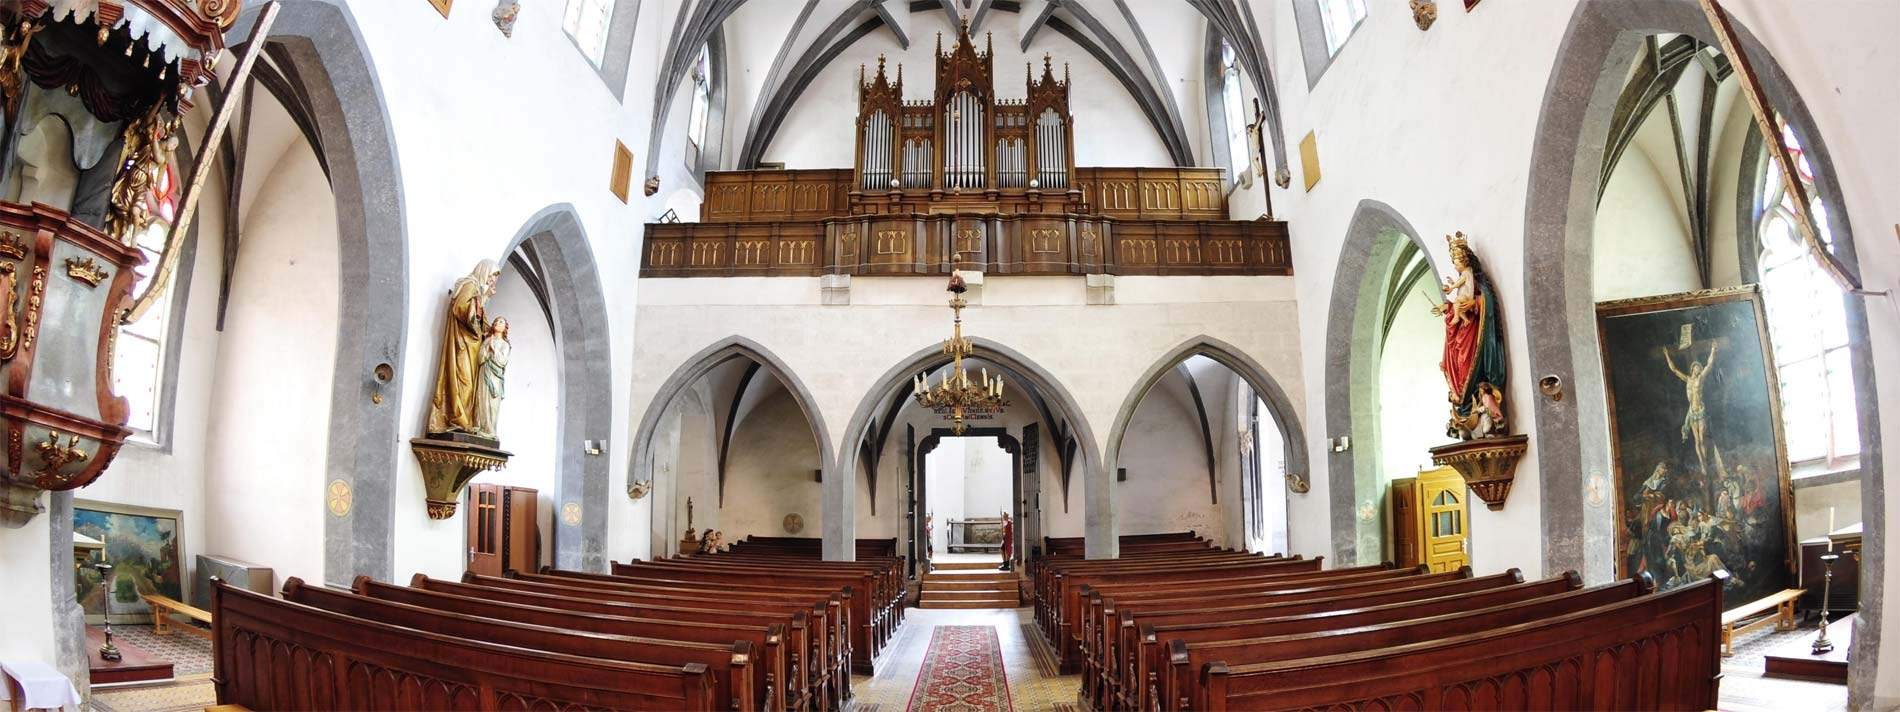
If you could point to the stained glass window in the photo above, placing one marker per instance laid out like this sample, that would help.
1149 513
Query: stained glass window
1339 18
138 367
1807 323
586 21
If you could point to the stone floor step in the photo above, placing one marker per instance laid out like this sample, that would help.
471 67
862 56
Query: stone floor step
952 585
966 595
997 603
969 565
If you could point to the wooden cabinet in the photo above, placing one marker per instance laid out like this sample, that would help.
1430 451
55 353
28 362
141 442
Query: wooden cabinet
502 532
1429 516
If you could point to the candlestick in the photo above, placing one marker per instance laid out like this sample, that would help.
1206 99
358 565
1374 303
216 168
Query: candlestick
108 651
1822 645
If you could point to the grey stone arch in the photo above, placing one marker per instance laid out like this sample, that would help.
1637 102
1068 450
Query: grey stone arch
1353 335
570 290
331 64
1559 229
695 367
840 495
1286 418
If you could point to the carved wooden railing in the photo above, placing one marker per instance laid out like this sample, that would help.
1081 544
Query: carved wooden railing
1132 221
1123 193
932 244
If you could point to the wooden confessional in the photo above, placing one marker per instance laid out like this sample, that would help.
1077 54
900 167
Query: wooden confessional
502 534
1429 514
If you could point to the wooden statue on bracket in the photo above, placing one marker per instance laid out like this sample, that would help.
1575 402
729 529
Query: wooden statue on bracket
466 407
1476 372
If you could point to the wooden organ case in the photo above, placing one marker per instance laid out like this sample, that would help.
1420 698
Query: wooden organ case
966 180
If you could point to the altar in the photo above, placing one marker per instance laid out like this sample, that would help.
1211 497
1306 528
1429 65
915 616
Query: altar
983 534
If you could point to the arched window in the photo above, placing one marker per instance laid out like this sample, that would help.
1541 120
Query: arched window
587 23
138 365
1339 18
702 103
1234 101
1807 324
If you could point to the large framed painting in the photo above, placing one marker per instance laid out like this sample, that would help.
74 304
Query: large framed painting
1695 436
144 546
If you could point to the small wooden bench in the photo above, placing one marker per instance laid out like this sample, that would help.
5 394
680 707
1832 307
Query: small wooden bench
1783 605
164 606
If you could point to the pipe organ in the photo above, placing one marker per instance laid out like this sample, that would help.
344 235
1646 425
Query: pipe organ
964 140
966 180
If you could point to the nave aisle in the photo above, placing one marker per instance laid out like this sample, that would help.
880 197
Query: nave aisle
1034 685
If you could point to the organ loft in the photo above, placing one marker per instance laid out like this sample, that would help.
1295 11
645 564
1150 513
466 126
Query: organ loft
966 180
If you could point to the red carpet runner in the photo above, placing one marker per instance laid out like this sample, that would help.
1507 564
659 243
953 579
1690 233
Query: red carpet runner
962 672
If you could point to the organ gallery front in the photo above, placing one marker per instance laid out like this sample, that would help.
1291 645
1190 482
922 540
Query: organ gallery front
967 180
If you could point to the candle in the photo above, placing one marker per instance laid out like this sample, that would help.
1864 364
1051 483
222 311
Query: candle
1830 530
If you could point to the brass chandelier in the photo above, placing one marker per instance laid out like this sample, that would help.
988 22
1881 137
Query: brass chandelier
957 394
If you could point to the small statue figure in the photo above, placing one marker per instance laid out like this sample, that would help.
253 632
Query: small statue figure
495 350
505 15
714 541
1009 543
454 407
1474 365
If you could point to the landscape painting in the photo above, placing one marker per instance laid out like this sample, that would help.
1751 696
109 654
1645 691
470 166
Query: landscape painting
1695 431
143 546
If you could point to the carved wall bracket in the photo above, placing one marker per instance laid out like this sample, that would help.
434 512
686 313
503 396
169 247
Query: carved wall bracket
1489 465
448 465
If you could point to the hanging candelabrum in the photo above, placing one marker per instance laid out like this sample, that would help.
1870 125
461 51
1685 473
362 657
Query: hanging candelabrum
108 651
1822 645
957 394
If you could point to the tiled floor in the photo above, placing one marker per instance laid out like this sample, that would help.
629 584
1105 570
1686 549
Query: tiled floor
1744 689
1033 686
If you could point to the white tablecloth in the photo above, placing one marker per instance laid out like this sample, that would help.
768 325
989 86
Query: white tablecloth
45 688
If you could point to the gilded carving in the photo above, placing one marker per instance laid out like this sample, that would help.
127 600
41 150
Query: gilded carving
86 270
55 457
9 316
12 247
12 51
148 146
797 252
470 343
35 295
571 514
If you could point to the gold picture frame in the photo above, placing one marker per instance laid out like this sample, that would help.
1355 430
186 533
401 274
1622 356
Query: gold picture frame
442 6
1659 434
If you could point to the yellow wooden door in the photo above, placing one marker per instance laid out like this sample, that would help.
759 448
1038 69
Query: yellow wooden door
1442 517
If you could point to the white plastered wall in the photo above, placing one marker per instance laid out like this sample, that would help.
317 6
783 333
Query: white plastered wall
531 409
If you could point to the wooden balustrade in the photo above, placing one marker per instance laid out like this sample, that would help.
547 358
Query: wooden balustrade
997 244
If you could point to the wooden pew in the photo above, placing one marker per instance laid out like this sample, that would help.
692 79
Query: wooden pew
1143 653
778 665
854 583
1067 586
271 654
803 635
1659 651
832 685
1108 631
886 592
730 663
1288 640
829 612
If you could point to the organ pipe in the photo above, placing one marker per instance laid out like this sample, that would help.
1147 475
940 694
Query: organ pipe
877 152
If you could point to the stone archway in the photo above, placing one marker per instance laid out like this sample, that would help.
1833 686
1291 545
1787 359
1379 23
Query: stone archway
640 467
1559 224
581 336
1349 361
1285 416
331 63
840 496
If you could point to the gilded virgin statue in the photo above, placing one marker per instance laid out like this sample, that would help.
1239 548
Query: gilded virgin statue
1473 363
460 397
